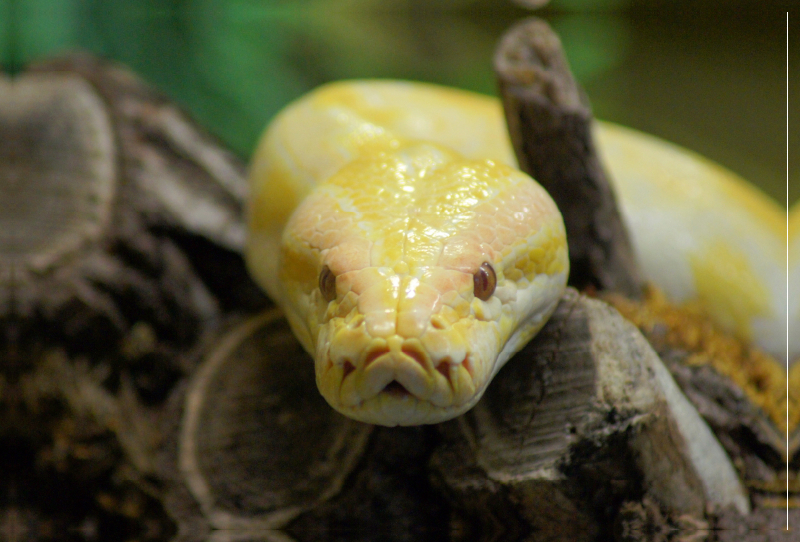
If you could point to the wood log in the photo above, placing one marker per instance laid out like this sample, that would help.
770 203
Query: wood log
582 420
550 122
586 402
120 227
256 448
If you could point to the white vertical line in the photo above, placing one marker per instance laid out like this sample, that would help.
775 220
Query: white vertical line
787 269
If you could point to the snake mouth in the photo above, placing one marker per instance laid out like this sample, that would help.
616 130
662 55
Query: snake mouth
401 386
397 406
396 389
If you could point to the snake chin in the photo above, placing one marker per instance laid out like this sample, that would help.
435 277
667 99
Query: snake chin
396 406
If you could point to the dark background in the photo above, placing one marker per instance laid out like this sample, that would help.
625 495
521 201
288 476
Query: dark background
706 74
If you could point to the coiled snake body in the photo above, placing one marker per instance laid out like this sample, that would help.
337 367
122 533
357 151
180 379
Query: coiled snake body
413 260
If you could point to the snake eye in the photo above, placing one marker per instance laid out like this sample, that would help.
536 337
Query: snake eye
485 281
327 284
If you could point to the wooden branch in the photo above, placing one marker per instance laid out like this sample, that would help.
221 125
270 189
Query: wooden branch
550 121
586 401
120 231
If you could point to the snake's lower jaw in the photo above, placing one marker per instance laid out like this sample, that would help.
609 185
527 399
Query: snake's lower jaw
396 382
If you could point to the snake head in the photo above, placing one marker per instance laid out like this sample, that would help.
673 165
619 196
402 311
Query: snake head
412 275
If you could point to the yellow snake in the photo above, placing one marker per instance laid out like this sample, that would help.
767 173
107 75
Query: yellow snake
412 259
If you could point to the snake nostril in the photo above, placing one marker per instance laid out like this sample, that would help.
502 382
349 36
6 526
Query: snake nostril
444 369
374 354
348 368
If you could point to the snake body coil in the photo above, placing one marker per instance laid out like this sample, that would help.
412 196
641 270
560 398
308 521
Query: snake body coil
413 260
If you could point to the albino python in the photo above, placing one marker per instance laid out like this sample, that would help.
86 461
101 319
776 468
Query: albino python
412 259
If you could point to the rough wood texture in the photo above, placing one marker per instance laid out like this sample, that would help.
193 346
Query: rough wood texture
256 448
59 173
586 402
119 249
259 453
128 195
550 122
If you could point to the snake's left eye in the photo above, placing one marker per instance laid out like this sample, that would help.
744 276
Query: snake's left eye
327 284
485 281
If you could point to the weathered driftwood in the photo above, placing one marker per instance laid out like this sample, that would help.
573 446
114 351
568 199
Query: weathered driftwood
588 401
256 448
58 178
698 356
550 123
120 233
104 184
745 431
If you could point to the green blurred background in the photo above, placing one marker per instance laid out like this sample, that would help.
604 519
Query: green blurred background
708 75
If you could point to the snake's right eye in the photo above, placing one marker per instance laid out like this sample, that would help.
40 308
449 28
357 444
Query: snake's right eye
485 281
327 284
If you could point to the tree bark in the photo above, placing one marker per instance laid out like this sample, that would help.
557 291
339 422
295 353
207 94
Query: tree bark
587 401
550 124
